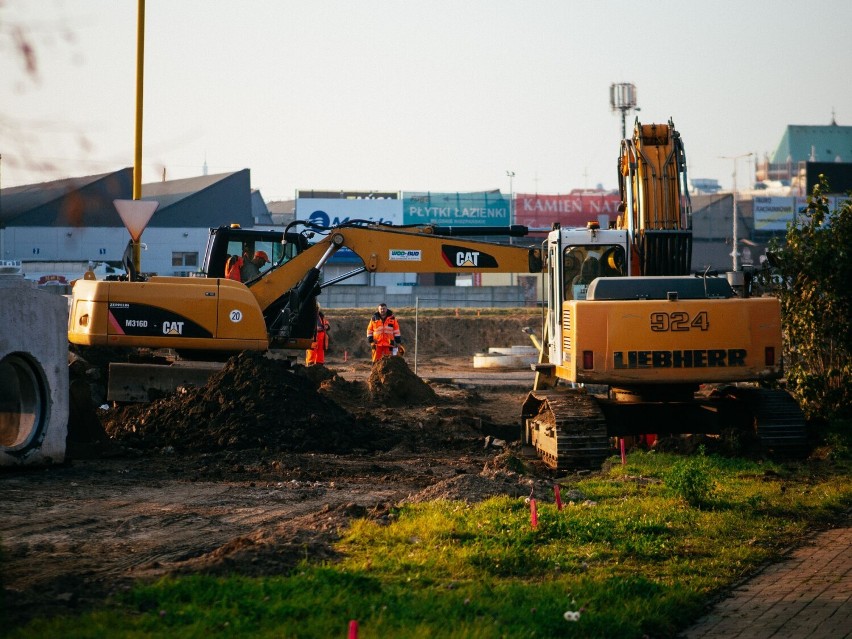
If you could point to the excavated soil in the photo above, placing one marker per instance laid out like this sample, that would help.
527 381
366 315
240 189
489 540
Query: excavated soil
263 466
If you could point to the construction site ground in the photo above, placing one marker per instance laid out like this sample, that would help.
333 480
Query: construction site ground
263 467
266 464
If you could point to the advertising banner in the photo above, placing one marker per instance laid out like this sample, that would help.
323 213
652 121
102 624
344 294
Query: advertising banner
574 209
330 212
334 211
774 213
486 208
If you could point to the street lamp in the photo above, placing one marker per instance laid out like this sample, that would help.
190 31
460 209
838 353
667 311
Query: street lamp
511 175
734 253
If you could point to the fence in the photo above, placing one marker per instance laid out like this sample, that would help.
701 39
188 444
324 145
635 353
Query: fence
342 296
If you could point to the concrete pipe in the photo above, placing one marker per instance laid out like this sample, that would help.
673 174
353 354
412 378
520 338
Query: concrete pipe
512 357
33 372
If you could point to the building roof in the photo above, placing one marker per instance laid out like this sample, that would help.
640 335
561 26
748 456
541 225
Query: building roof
803 143
66 202
206 201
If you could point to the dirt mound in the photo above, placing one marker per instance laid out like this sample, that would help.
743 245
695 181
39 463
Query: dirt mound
476 488
253 402
392 383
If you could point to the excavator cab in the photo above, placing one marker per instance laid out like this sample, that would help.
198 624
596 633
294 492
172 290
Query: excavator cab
233 240
582 264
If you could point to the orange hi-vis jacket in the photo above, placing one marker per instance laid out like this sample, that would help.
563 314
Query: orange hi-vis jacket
233 270
316 353
383 332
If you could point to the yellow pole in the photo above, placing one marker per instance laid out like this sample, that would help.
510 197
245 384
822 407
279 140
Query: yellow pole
137 156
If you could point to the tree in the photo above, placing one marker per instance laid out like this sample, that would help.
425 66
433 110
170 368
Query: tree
812 275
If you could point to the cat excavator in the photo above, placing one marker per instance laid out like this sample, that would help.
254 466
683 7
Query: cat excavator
208 318
634 346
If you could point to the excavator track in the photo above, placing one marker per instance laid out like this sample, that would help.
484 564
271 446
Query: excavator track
779 423
567 428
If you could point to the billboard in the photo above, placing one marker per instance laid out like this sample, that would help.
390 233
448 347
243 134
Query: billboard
574 209
484 208
774 213
331 212
334 211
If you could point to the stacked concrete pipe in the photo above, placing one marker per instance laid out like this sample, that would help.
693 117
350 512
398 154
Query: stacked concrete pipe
33 371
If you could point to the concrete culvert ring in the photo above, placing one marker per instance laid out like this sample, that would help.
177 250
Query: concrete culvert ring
22 404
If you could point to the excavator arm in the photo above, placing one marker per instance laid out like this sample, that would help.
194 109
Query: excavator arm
657 211
287 294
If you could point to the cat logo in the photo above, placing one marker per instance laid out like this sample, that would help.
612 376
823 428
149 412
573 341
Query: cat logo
467 258
456 256
172 328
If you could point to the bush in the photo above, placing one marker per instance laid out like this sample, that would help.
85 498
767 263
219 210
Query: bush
691 479
811 276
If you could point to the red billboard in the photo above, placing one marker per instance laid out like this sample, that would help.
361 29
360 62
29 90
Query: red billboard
576 208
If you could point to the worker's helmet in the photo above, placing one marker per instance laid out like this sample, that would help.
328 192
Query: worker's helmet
262 254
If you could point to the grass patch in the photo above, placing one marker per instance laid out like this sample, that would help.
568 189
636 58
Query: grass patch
634 556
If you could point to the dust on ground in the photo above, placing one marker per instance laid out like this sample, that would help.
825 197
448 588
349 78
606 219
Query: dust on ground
252 473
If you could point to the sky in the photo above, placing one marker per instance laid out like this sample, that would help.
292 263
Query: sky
400 95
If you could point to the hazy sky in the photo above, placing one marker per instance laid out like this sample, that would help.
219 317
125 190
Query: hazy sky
403 95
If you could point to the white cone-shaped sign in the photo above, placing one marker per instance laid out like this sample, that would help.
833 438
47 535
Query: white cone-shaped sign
135 214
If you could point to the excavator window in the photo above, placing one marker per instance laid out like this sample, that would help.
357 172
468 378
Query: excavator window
247 249
582 264
228 241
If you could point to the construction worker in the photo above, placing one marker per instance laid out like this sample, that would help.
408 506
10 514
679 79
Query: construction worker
251 269
233 267
316 353
383 333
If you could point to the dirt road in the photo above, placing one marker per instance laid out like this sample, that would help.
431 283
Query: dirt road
163 501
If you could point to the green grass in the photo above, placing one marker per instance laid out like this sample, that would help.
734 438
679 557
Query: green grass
633 556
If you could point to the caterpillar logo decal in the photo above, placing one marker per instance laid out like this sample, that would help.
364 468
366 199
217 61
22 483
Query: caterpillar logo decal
710 358
172 328
151 321
463 257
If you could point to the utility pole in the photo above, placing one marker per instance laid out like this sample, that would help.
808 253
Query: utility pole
511 175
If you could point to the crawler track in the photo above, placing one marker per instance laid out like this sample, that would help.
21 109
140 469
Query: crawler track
567 429
571 429
779 423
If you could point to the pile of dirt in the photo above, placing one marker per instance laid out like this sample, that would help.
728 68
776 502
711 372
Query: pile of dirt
489 483
253 402
392 383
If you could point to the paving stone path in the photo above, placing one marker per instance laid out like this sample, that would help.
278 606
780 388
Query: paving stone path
806 595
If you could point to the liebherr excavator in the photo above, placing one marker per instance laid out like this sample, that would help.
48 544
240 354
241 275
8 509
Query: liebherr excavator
633 343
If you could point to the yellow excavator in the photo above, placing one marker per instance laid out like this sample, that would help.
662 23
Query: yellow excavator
211 317
634 345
